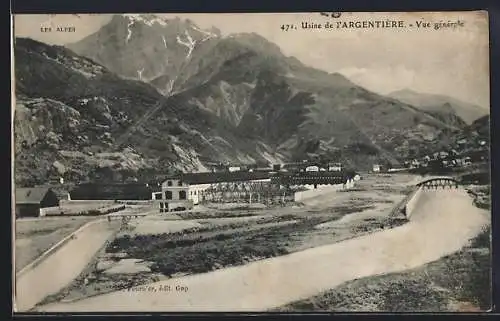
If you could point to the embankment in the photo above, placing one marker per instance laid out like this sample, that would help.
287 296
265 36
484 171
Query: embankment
62 263
413 202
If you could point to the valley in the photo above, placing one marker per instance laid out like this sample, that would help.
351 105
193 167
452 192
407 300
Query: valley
164 164
232 99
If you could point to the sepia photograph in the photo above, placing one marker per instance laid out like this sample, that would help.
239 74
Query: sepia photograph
251 162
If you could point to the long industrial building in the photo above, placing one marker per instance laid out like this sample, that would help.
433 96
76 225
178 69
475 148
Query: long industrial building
186 190
113 191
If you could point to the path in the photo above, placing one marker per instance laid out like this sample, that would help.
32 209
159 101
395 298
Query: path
61 267
442 224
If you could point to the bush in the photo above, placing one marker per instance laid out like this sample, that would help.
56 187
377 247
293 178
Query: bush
483 240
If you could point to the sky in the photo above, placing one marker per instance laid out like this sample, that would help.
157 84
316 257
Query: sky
448 61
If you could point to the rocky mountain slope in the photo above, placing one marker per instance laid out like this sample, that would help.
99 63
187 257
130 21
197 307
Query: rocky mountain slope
481 126
143 99
74 118
247 82
442 106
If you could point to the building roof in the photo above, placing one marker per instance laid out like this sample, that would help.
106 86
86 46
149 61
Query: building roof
31 195
210 177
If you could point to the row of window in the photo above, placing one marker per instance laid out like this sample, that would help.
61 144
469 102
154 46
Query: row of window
169 195
170 183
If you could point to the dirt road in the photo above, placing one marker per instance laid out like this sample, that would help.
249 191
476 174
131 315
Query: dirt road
62 267
442 224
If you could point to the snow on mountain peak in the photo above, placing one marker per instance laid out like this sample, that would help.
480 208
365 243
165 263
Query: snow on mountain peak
149 20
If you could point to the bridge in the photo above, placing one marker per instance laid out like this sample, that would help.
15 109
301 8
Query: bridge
409 204
439 182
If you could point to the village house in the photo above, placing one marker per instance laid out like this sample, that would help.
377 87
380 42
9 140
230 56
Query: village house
31 202
443 154
312 169
334 167
415 163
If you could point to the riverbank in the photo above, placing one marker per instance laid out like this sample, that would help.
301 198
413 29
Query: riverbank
459 282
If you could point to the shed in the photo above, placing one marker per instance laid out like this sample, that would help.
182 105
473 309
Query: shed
29 201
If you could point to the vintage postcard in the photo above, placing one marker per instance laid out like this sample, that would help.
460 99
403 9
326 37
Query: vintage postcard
251 162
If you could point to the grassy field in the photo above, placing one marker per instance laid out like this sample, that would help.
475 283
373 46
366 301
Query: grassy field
35 236
457 282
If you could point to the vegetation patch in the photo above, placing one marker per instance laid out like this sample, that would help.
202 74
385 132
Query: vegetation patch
195 215
205 250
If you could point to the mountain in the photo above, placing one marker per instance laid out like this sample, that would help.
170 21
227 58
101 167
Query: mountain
75 118
441 106
83 110
147 47
247 82
480 128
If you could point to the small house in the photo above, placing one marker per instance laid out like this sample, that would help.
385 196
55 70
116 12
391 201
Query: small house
334 167
30 202
443 154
